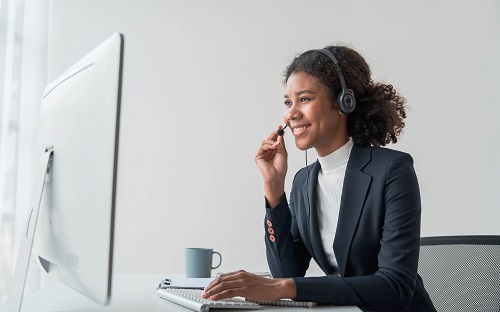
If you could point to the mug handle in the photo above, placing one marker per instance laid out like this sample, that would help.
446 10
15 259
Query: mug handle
220 259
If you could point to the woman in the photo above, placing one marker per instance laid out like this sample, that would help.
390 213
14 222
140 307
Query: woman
355 211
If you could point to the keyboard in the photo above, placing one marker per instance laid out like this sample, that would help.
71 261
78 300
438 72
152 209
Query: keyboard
191 299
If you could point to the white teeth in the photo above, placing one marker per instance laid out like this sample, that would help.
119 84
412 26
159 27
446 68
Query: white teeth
300 129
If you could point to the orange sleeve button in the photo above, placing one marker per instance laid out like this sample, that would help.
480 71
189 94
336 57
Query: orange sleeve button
272 238
269 223
270 231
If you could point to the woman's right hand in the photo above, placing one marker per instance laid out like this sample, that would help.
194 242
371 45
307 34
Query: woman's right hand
271 160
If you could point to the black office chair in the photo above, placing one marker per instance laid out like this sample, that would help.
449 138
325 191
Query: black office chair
461 273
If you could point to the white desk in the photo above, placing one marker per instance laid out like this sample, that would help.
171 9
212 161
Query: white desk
134 292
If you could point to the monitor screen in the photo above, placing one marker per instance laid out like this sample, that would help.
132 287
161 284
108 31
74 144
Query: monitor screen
79 121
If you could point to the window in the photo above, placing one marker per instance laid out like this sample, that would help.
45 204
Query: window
22 77
10 70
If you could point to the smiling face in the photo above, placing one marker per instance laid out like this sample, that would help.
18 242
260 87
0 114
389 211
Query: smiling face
311 115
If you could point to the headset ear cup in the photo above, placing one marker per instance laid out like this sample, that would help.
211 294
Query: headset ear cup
347 102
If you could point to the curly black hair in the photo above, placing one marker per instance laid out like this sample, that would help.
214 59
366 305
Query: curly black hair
380 110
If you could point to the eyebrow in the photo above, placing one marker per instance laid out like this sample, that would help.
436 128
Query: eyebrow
300 93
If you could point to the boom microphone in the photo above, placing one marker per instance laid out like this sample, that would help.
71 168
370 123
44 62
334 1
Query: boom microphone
282 130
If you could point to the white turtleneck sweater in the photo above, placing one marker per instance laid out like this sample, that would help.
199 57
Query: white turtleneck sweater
329 192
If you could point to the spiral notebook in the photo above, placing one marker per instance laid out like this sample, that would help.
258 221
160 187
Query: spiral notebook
287 303
187 283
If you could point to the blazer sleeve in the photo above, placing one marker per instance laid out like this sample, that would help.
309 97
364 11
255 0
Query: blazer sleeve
286 254
391 287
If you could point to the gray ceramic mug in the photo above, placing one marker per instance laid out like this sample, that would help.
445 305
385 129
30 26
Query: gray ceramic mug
199 262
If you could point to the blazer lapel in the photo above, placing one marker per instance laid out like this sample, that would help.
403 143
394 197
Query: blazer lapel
356 184
309 192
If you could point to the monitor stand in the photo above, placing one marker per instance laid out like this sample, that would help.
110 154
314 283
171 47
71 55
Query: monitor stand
15 295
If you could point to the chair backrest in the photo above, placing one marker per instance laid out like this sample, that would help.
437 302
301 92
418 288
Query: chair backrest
461 273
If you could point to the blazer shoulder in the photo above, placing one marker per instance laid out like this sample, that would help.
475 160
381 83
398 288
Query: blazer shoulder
367 155
381 153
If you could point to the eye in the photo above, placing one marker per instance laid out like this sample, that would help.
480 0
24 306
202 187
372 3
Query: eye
304 99
288 103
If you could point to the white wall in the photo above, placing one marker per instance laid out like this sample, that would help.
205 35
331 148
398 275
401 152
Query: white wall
202 88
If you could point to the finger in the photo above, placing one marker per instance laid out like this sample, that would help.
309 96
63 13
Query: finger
228 293
220 285
266 151
220 277
268 155
228 285
218 288
281 141
274 135
280 146
211 284
267 145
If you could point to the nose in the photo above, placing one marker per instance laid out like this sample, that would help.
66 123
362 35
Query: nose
293 112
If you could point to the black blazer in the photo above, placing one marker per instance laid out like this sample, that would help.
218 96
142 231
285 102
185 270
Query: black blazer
377 239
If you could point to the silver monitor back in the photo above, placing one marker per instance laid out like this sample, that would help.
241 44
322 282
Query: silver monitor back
79 119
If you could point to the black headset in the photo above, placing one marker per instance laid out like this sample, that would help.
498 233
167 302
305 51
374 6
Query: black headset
346 101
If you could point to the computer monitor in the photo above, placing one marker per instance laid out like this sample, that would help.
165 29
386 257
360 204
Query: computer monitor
79 123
